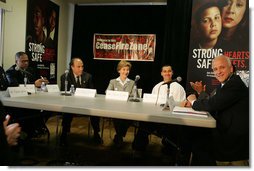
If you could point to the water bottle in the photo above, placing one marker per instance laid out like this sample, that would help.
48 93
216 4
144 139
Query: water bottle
25 81
72 90
43 87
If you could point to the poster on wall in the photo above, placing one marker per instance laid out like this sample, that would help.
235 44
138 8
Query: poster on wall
42 37
218 27
135 47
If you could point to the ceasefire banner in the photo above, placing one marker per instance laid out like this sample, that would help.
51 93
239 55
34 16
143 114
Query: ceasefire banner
218 28
136 47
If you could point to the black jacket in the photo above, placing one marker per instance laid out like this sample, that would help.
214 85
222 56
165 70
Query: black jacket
86 81
3 80
230 107
16 77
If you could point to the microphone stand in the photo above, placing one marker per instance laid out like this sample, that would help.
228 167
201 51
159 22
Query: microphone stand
166 105
65 87
169 105
135 95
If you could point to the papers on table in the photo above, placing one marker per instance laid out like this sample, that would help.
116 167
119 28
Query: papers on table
189 112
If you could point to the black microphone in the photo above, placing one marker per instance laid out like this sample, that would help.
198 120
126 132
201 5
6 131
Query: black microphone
177 79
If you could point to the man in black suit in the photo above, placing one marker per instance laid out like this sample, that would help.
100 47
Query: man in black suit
230 107
20 73
79 79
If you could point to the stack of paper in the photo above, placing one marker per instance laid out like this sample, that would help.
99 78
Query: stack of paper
189 112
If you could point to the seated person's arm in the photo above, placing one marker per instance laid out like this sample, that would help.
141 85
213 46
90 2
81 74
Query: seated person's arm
38 82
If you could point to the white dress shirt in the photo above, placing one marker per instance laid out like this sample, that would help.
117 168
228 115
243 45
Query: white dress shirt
175 90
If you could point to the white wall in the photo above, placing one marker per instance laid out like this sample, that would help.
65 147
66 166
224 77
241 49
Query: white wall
15 32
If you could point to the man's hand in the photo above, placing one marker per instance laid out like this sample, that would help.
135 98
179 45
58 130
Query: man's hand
185 103
198 86
12 131
38 82
191 98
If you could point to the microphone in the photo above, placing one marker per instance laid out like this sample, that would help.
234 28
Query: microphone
66 81
177 79
135 90
66 73
137 78
22 70
66 84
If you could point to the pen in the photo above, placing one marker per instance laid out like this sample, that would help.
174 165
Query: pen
42 77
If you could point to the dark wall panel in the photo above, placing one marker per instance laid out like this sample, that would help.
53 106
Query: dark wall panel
123 20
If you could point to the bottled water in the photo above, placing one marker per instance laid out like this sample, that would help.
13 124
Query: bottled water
43 87
72 90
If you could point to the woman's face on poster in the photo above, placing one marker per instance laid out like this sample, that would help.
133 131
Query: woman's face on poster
233 13
210 23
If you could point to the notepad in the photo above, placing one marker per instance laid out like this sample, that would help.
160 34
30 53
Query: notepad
189 112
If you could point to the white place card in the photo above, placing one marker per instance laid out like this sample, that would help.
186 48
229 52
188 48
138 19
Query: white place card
17 91
117 95
149 98
85 92
53 88
154 98
29 87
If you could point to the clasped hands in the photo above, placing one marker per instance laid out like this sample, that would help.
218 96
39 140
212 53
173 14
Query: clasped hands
12 131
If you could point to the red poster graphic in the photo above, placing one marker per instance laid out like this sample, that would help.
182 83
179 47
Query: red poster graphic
136 47
42 37
218 27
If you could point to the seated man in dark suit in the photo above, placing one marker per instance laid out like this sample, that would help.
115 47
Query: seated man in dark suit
79 79
21 73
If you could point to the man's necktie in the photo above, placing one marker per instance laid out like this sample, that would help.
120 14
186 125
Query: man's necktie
78 83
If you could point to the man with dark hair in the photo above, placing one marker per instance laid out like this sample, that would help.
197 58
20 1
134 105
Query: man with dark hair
79 79
21 73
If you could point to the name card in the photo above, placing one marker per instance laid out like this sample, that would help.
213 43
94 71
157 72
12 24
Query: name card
29 87
85 92
53 88
117 95
17 91
154 98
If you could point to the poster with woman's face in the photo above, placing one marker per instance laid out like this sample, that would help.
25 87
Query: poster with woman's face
42 37
218 27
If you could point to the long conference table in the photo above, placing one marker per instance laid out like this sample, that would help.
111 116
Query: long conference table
100 106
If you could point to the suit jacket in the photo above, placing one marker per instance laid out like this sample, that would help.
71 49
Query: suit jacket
86 81
3 80
16 77
115 85
230 108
